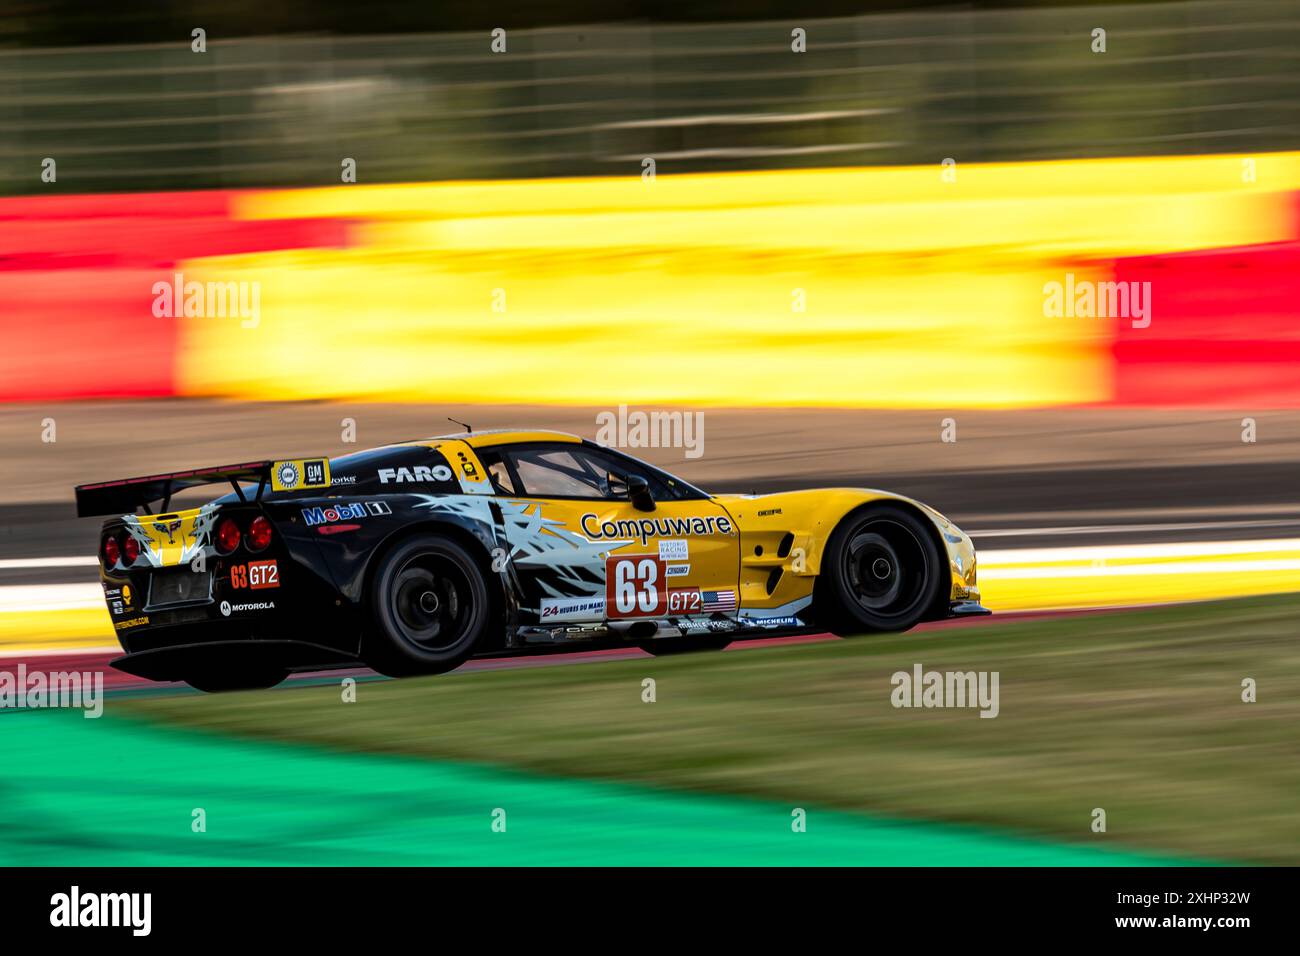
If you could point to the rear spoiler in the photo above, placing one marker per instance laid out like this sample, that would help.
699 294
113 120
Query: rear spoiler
128 494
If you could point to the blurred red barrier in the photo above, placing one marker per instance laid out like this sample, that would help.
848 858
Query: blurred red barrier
146 242
1225 329
175 205
76 281
78 333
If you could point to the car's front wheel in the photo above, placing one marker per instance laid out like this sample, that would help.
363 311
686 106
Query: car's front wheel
429 608
882 571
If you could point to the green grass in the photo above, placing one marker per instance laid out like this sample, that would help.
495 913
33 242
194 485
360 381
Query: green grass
1138 713
269 803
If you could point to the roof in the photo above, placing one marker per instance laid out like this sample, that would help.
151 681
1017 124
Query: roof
500 436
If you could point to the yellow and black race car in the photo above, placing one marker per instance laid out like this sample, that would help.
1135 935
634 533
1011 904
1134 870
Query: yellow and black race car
413 557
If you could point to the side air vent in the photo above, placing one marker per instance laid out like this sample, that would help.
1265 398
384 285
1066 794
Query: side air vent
783 549
773 579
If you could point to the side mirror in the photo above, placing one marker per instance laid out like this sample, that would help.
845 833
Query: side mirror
638 492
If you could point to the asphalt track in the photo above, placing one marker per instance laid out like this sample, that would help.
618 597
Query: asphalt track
1017 462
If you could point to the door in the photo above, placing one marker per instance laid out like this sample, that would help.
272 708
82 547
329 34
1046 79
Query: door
585 553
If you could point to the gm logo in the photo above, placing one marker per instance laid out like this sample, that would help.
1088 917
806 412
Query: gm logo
315 471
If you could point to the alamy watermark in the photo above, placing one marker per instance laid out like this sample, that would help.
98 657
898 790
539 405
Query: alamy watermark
208 300
1086 299
639 429
917 688
75 909
38 690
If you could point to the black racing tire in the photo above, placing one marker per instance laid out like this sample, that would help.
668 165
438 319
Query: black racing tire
219 680
429 608
683 645
882 570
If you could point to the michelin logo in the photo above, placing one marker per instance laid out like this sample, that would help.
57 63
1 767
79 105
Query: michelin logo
769 621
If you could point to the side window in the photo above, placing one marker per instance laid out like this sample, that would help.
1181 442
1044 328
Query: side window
556 473
499 475
572 471
663 486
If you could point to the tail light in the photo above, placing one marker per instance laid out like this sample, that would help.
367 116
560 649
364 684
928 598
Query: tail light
110 549
227 536
259 534
130 549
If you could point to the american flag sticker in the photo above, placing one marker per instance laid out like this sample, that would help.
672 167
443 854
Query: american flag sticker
718 600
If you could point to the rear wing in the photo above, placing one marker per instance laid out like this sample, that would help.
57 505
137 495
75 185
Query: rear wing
126 495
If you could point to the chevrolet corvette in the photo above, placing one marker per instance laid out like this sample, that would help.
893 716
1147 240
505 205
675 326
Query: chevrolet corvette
413 557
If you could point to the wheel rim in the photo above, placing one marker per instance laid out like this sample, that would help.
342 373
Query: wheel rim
886 567
432 602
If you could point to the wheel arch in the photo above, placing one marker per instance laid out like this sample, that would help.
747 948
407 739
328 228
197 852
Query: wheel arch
463 536
883 499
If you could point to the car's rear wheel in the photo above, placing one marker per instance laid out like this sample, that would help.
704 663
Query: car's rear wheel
218 680
683 645
429 608
882 571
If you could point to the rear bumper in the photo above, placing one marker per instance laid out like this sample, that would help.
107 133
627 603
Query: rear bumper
179 661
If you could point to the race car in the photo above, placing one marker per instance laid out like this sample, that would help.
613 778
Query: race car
413 557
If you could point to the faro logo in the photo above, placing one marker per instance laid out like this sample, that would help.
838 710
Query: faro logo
418 473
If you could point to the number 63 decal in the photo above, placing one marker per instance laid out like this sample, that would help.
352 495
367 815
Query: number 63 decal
634 587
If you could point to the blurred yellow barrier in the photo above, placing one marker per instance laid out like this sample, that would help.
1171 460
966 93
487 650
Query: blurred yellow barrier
627 331
69 629
1134 177
859 287
1109 576
1043 227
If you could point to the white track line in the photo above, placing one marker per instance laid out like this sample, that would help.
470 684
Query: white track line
20 564
1119 552
1136 570
50 597
1124 528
